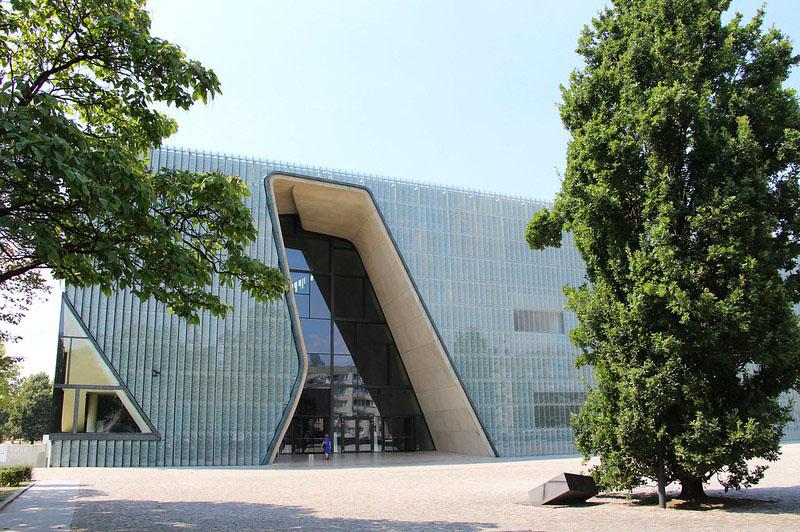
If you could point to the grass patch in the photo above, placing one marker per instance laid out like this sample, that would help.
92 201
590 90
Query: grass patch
8 491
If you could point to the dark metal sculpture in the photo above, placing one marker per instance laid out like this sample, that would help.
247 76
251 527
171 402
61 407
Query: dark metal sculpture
566 488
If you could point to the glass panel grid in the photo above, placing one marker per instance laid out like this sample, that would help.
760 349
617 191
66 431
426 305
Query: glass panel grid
466 254
366 379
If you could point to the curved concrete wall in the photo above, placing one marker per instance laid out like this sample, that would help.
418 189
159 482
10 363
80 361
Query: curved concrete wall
350 213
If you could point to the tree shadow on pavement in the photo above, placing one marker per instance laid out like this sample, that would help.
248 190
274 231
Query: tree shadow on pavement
44 505
109 515
772 500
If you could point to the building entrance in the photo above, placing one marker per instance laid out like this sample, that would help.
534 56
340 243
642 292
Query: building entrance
357 390
306 433
356 435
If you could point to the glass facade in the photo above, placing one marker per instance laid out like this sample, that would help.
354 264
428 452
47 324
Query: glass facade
356 390
217 393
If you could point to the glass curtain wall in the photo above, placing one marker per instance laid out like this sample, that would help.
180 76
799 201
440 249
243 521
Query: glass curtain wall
357 390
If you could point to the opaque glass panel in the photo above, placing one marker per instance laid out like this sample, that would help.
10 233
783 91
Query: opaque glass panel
349 297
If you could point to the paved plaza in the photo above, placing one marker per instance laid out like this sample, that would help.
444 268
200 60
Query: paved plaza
402 491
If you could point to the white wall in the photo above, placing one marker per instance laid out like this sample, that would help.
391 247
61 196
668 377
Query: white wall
16 454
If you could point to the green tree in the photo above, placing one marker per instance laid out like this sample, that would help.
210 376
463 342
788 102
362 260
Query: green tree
9 373
79 80
9 379
31 405
681 190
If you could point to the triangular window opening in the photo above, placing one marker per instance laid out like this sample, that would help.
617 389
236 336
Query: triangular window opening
89 398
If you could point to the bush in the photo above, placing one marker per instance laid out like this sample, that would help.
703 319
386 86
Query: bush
14 476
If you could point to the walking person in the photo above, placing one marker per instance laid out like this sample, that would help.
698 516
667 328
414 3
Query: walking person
326 447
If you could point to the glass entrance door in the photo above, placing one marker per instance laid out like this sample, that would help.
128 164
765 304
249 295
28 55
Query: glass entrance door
308 434
355 435
365 439
398 434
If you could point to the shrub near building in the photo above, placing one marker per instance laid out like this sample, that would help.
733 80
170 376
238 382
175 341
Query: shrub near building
14 476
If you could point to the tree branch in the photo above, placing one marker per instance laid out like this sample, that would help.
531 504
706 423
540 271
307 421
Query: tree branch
10 274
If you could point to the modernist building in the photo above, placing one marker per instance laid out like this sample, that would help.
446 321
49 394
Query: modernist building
418 319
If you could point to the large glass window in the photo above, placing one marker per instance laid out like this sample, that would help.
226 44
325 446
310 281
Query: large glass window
88 397
357 390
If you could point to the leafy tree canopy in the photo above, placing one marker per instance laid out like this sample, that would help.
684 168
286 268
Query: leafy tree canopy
31 405
9 375
78 82
681 190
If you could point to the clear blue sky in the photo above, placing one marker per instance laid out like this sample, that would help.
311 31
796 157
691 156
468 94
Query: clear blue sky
452 92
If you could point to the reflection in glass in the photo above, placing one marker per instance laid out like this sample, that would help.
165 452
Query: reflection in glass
364 436
319 369
315 253
346 436
301 282
305 434
71 327
88 397
344 364
302 305
342 376
297 260
311 295
319 305
316 335
340 330
106 413
355 374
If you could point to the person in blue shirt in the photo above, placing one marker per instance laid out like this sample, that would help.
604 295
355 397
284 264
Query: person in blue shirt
326 447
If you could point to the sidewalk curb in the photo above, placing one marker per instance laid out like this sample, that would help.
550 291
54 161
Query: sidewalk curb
14 495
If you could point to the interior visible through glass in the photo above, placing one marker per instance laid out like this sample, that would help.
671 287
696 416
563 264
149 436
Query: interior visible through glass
87 396
357 390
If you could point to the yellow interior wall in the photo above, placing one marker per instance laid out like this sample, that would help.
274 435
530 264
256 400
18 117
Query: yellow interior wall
86 367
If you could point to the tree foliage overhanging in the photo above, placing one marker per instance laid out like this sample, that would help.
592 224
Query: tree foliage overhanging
78 84
681 190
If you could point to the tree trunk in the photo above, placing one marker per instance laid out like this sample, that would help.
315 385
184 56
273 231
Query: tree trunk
662 485
691 489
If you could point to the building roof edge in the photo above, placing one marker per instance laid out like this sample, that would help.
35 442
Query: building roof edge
323 171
